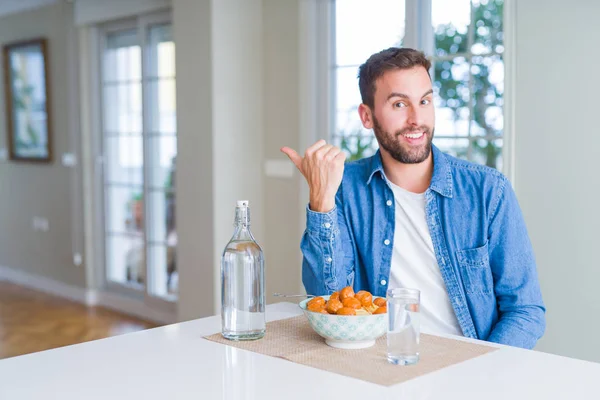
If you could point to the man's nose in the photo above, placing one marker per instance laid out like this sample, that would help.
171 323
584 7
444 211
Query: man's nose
415 116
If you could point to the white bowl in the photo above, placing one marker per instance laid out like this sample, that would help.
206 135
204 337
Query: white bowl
347 331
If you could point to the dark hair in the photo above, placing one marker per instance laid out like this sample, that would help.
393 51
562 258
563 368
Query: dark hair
387 60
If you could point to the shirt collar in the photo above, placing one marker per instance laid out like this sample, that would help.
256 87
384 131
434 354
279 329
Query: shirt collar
441 180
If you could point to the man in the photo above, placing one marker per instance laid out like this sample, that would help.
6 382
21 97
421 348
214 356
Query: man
412 216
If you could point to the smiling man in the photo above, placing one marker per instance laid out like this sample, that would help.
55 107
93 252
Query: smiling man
412 216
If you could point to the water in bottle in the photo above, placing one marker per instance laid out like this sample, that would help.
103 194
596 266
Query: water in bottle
242 282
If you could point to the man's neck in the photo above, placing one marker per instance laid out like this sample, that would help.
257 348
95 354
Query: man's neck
412 177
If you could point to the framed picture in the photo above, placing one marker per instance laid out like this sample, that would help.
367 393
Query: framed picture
27 100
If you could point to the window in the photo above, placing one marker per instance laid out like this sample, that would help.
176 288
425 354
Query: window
139 150
381 26
469 79
465 45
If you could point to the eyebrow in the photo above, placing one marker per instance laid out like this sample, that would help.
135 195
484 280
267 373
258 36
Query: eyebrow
404 96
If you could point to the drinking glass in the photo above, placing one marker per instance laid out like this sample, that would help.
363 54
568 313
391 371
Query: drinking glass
404 326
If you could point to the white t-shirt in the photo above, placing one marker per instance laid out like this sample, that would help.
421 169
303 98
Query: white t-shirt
414 264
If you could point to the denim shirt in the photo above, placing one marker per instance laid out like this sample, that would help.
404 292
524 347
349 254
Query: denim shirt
479 238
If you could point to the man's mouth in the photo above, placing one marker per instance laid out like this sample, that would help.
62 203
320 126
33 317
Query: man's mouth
413 135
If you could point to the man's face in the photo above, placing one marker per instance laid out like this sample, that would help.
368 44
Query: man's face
403 117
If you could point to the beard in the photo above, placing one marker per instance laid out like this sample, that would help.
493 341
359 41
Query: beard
403 152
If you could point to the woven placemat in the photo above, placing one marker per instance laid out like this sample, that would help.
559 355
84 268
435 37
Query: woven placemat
293 339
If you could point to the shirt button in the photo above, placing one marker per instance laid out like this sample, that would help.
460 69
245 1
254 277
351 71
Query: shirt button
329 259
389 202
386 242
327 225
383 282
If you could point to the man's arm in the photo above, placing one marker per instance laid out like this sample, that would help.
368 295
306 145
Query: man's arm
322 244
328 254
521 309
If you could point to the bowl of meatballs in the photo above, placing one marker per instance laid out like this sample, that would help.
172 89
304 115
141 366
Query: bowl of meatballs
347 320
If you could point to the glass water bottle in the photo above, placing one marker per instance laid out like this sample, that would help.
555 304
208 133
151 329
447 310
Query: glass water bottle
242 282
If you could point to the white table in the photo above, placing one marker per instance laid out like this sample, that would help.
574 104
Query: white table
175 362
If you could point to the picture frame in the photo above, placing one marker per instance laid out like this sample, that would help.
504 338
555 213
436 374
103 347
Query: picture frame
27 100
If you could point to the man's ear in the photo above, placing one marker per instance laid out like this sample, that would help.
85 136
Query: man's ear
365 116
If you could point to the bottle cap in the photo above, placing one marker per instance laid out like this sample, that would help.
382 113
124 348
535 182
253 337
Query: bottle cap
242 203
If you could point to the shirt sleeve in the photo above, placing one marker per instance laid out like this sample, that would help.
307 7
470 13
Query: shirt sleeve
328 256
521 310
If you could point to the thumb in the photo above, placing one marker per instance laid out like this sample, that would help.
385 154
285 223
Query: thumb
296 159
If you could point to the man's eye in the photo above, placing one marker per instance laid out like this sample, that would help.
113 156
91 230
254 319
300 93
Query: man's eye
425 102
399 104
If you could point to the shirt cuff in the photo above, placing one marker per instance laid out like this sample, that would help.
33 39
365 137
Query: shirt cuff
322 224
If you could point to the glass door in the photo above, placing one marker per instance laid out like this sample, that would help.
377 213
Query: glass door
139 139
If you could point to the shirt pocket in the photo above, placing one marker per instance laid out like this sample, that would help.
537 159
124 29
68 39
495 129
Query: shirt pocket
474 265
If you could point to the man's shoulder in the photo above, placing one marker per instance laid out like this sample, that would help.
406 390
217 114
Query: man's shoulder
467 170
475 184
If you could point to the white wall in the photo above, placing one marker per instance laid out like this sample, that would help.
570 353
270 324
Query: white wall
51 191
281 111
557 141
195 259
237 118
219 117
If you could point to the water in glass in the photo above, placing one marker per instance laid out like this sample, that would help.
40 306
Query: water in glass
404 326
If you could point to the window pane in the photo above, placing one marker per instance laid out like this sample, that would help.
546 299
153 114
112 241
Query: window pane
455 147
162 212
451 21
489 35
166 106
123 108
162 51
162 264
125 209
365 27
348 98
162 106
349 124
357 146
131 156
124 159
163 244
122 57
163 152
161 81
488 88
451 94
157 211
488 152
111 109
125 259
347 93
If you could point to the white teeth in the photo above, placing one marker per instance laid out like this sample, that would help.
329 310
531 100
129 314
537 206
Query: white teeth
414 135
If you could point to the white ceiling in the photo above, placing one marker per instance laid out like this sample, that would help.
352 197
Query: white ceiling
15 6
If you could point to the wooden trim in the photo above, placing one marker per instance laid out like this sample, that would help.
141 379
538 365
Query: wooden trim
6 49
